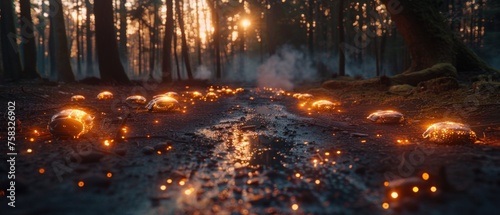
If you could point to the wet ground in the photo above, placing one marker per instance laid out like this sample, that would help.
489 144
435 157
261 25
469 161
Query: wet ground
256 152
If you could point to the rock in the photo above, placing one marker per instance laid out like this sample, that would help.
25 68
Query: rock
148 150
359 135
403 89
438 85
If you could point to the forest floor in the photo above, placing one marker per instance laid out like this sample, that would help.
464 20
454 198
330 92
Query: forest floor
255 152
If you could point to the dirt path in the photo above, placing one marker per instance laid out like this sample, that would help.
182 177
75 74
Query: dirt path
255 152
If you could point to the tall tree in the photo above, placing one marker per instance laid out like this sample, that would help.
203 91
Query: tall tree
123 33
430 40
341 35
167 44
88 36
29 47
10 50
110 66
214 10
59 49
184 47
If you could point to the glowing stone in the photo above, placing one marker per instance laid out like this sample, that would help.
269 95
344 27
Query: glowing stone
323 105
162 103
196 94
305 96
211 95
449 132
77 98
136 100
386 116
70 123
105 95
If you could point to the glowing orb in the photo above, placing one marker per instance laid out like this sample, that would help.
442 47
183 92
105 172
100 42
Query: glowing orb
136 100
305 96
70 123
162 103
449 132
77 98
239 90
323 105
386 116
211 95
196 94
105 95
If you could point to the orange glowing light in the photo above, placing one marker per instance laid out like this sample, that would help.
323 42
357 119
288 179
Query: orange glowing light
81 184
385 205
386 183
109 174
29 150
189 191
169 181
394 195
425 176
77 98
182 183
108 142
363 141
35 131
163 187
32 139
41 170
295 207
104 95
415 189
338 152
433 189
317 181
297 175
158 152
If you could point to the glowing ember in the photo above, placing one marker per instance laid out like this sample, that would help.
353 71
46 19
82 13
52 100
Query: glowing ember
41 170
305 96
450 132
29 150
297 175
162 103
196 94
70 123
136 100
433 189
295 207
81 184
189 191
415 189
425 176
385 205
386 116
109 174
394 195
105 95
317 181
323 105
77 98
239 90
163 187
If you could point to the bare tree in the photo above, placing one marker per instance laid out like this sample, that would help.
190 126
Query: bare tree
10 50
110 65
60 62
167 44
184 47
29 47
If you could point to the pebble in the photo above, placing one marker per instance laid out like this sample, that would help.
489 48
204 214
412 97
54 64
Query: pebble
148 150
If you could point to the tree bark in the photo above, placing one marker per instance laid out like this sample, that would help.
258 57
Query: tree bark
60 43
123 33
10 50
29 47
184 47
341 35
88 35
167 44
213 6
430 40
110 65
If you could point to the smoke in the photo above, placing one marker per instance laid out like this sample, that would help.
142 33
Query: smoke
286 67
202 73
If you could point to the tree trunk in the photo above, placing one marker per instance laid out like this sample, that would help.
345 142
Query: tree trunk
29 47
110 65
60 43
10 50
123 33
184 47
88 35
78 40
214 6
167 44
341 35
430 40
